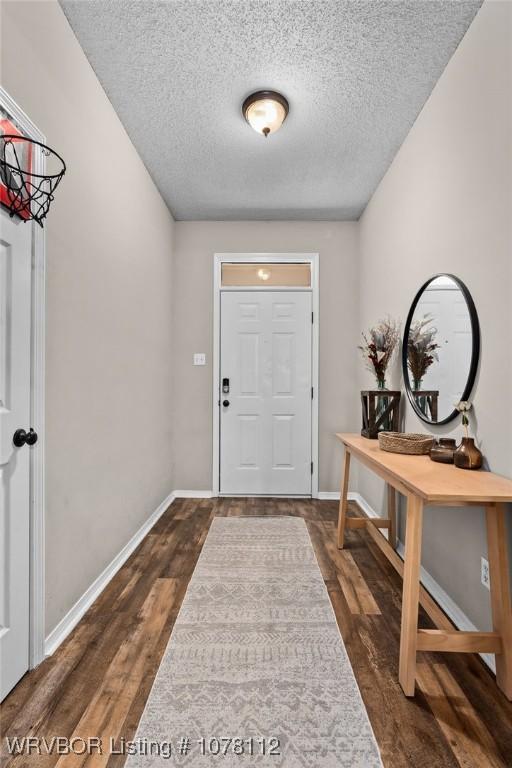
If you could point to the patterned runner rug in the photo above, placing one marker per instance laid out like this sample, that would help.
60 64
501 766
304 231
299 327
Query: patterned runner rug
255 672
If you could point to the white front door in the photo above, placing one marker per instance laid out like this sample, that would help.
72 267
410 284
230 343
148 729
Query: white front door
15 308
265 417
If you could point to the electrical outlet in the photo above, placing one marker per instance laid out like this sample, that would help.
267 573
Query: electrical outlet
486 581
199 358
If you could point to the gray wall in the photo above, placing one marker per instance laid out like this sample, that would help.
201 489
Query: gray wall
108 368
445 204
195 244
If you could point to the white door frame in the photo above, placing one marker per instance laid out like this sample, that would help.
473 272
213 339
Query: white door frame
37 411
266 258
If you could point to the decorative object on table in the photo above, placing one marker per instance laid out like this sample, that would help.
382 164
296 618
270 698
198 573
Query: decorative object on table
24 192
440 349
410 443
379 346
443 450
380 412
467 455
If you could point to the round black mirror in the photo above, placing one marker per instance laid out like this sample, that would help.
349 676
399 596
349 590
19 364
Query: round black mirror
441 347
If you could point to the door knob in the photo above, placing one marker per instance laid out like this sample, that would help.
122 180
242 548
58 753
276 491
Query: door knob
21 437
225 403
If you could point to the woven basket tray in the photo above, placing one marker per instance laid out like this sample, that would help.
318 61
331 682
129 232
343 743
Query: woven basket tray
405 442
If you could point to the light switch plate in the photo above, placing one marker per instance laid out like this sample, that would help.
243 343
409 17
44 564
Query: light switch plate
199 358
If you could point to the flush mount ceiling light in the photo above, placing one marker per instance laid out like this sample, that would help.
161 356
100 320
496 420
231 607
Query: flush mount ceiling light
265 111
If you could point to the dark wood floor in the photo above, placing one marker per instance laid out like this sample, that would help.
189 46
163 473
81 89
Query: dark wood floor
97 682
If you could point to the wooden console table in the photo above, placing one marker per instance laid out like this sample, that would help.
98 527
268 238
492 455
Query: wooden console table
426 483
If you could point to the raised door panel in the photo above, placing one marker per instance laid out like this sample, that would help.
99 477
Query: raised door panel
249 364
248 441
282 440
283 364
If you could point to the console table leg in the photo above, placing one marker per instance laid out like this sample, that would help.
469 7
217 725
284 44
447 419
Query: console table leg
411 592
342 515
500 593
392 534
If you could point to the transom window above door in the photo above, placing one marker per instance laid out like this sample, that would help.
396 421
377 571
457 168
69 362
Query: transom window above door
284 275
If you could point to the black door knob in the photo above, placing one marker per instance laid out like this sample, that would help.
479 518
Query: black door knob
21 437
225 403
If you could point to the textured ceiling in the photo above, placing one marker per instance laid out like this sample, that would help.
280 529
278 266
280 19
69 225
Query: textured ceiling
356 74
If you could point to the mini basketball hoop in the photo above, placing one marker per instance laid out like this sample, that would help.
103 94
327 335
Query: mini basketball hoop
27 194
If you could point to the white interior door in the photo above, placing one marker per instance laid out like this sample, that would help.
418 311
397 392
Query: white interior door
265 417
15 308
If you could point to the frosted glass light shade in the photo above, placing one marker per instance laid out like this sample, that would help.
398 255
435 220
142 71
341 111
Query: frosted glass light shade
265 111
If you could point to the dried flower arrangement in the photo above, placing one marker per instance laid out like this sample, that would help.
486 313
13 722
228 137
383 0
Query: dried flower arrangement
379 346
463 408
421 348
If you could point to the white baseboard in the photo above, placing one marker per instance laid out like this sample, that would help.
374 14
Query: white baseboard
73 616
441 597
323 495
194 494
352 496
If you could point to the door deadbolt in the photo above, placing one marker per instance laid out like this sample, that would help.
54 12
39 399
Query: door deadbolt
225 386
